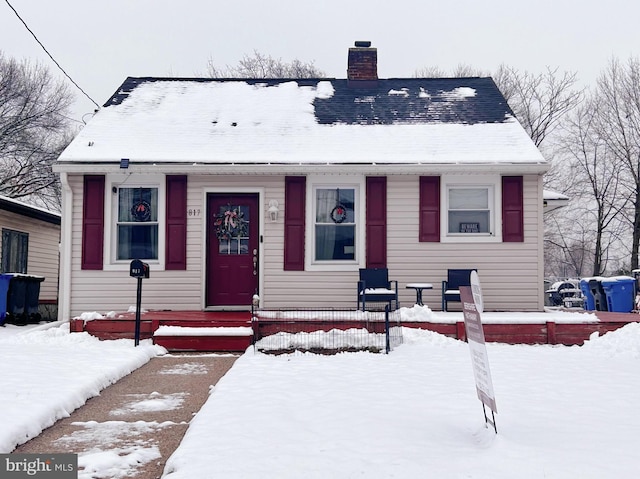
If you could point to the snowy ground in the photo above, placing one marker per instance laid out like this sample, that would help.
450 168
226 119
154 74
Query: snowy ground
563 412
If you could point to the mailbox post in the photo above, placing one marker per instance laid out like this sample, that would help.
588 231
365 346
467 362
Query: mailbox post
139 270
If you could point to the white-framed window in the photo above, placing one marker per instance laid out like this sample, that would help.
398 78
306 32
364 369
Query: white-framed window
135 221
471 210
335 223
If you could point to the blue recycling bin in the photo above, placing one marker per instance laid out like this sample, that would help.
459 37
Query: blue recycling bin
589 300
4 289
620 292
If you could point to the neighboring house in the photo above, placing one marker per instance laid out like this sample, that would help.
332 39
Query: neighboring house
553 200
30 244
328 176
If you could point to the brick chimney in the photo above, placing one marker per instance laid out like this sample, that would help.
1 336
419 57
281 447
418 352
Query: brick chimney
362 66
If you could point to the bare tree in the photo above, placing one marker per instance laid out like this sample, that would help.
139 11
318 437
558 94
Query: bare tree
618 99
259 65
461 71
34 130
539 101
594 183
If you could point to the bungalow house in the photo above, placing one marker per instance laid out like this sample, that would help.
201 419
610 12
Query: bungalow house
285 188
30 245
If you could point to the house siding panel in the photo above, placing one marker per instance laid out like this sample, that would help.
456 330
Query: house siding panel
511 273
108 290
513 270
43 252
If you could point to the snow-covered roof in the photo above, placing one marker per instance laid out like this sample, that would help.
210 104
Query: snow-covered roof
25 209
554 195
553 200
400 121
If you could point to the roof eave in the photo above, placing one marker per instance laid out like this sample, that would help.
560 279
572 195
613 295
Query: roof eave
301 168
29 212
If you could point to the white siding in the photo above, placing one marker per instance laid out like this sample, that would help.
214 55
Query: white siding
43 253
511 273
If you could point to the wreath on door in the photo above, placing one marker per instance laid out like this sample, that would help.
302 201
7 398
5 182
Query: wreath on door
230 223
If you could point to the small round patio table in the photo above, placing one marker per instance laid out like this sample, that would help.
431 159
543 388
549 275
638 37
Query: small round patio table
419 287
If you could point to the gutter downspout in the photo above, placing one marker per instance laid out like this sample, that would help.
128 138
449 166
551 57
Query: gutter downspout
64 294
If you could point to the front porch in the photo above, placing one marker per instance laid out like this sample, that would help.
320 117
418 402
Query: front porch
234 331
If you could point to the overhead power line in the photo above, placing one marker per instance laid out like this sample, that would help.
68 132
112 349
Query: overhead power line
50 56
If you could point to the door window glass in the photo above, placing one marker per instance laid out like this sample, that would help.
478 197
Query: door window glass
232 229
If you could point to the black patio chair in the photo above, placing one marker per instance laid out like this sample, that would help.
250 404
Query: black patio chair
374 286
451 285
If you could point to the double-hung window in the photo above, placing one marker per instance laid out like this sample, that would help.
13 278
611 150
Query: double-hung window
470 210
137 228
15 246
335 221
335 224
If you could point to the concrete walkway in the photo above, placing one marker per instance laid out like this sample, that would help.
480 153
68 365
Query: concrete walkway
148 410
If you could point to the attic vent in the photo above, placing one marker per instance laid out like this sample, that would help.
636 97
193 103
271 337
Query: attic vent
362 66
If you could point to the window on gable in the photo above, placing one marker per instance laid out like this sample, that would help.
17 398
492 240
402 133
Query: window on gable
470 210
335 224
137 227
15 246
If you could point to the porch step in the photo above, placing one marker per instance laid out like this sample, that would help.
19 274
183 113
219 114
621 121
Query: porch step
204 339
200 331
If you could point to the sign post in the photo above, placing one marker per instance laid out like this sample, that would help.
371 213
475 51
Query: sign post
139 270
472 306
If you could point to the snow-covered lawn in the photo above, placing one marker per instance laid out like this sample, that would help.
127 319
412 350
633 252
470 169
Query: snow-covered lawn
563 412
48 372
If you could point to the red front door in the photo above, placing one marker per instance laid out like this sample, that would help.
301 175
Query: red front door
232 249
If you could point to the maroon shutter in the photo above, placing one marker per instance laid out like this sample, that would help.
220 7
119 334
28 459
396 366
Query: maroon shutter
93 222
176 233
512 209
376 222
429 227
294 212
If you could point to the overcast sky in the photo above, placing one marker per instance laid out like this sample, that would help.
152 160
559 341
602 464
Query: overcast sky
101 42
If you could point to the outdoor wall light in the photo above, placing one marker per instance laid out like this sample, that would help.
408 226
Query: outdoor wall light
273 210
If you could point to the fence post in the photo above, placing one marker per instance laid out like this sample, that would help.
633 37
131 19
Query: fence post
386 328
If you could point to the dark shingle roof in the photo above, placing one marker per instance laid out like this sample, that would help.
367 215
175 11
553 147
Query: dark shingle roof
392 101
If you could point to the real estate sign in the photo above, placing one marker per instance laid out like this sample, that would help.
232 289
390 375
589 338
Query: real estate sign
477 347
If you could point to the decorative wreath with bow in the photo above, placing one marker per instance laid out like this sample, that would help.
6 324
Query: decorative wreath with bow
339 214
141 211
230 223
